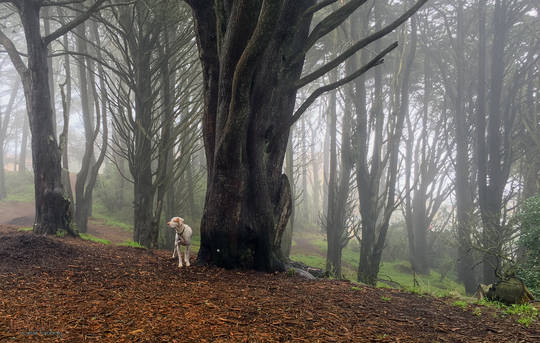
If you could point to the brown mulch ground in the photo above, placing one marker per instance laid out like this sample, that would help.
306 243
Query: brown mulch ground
69 290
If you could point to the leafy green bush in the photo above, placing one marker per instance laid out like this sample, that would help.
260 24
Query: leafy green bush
528 268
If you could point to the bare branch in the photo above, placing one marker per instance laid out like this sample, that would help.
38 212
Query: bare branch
317 7
74 23
14 55
374 62
332 21
359 45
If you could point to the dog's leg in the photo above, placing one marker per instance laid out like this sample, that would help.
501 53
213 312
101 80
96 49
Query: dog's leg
175 246
187 255
179 255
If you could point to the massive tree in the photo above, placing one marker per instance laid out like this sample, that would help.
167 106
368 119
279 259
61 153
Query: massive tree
252 55
52 208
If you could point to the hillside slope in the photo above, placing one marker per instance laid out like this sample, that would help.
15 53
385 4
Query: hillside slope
69 290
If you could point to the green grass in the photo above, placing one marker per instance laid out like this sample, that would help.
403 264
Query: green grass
383 298
131 244
25 229
100 217
19 187
88 237
391 271
526 313
460 303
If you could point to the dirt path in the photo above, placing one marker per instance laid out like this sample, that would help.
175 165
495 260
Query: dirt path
23 213
70 290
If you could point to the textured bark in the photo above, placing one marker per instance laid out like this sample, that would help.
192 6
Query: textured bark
24 145
52 209
81 203
248 76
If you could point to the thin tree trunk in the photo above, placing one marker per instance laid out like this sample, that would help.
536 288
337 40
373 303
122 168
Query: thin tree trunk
4 123
24 143
464 201
286 239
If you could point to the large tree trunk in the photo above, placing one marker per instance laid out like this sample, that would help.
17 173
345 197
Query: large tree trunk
52 209
248 200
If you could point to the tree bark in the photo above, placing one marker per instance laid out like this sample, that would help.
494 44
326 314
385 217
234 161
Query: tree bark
52 209
4 123
24 143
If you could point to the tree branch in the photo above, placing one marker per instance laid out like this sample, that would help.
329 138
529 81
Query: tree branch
332 21
319 91
74 23
359 45
317 7
14 55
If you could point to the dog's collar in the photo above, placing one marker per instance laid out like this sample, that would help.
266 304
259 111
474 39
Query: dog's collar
183 227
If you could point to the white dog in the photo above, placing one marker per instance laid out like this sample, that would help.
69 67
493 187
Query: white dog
183 237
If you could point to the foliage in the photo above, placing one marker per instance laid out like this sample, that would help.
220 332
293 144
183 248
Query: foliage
528 268
526 313
131 244
25 229
95 239
460 303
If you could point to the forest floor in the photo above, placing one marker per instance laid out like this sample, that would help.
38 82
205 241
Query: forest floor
71 290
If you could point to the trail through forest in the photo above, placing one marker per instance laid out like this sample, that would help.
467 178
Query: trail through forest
22 214
70 290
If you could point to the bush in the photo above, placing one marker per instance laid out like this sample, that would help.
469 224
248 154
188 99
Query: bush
528 267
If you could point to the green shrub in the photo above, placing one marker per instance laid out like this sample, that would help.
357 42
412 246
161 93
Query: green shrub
526 313
528 267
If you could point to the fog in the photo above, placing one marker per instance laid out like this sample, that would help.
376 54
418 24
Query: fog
420 158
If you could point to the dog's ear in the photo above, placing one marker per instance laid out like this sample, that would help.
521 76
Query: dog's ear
177 219
181 220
